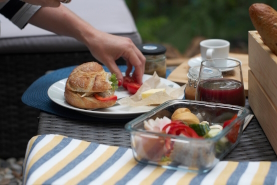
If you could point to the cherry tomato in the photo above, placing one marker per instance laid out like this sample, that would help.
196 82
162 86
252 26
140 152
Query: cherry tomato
119 83
113 97
127 80
133 87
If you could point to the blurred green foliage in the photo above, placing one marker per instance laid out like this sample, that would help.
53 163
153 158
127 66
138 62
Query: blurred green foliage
177 22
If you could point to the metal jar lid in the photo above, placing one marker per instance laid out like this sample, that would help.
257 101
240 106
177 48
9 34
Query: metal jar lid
152 49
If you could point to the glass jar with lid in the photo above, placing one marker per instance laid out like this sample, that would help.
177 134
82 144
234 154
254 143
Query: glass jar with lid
193 76
155 59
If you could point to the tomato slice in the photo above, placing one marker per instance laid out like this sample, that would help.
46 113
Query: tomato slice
133 87
126 81
100 98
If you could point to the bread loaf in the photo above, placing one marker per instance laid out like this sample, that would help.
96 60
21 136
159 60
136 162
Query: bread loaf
264 19
84 82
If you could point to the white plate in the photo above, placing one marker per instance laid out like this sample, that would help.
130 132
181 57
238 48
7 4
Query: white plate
197 62
56 94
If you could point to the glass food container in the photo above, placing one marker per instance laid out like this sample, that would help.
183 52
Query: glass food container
193 76
155 59
189 154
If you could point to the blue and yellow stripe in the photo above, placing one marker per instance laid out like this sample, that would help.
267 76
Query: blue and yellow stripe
88 162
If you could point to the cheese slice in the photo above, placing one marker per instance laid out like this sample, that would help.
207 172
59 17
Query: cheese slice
149 92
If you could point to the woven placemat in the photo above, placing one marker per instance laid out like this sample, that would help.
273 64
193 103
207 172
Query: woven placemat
36 95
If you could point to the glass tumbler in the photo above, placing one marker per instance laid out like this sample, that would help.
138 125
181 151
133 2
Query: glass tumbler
228 89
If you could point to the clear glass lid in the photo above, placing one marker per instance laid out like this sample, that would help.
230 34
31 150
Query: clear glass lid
207 72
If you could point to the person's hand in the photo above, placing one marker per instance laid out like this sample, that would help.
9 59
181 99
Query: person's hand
44 3
107 48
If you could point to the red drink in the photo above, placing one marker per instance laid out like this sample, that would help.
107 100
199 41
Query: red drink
221 91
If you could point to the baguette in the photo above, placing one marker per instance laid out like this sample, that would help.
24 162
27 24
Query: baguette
264 19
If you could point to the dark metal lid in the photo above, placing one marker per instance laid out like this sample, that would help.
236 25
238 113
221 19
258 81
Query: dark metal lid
152 49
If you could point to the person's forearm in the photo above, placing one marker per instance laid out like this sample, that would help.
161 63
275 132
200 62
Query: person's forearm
106 48
62 21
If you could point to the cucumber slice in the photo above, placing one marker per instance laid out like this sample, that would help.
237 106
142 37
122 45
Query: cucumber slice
201 129
215 129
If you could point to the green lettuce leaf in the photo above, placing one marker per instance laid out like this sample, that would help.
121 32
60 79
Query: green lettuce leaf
114 81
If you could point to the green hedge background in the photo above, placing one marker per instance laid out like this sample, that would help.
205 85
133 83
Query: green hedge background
177 22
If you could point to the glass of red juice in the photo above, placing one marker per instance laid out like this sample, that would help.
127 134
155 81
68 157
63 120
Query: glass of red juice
227 89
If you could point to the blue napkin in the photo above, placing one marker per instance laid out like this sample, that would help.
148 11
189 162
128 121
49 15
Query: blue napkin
36 95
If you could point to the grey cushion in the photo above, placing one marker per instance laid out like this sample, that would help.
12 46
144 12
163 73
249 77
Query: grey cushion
48 44
111 16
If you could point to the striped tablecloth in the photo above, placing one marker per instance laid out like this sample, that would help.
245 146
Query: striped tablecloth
55 159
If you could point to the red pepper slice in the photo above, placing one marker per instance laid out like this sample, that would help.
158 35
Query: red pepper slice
174 129
189 132
233 134
178 122
185 133
192 133
168 143
177 128
133 87
226 123
171 124
100 98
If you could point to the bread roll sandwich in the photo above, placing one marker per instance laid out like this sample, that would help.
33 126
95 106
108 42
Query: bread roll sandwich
90 87
264 19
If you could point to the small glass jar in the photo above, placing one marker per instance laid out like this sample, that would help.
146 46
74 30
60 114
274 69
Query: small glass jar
155 59
192 83
193 75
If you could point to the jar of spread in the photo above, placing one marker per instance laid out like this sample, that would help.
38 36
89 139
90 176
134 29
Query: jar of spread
193 75
155 59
